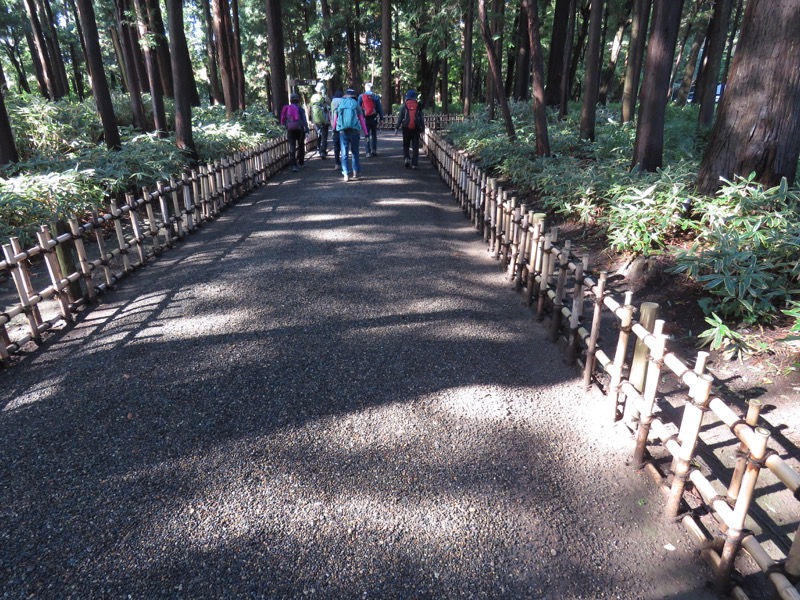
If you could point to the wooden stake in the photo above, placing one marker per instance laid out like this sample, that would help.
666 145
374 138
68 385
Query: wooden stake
648 313
649 394
619 356
753 412
591 346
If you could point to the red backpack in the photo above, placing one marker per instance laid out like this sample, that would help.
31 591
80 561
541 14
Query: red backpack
368 103
410 122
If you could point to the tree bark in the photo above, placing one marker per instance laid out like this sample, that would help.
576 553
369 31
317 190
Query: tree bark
707 83
633 70
649 145
691 62
558 41
594 55
277 62
156 26
94 60
579 51
607 78
539 103
522 79
566 57
39 53
222 36
214 89
182 78
8 149
386 55
237 55
758 126
466 86
54 47
151 63
16 61
129 65
496 75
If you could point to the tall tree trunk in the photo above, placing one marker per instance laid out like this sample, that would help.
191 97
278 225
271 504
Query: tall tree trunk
39 53
217 97
764 74
135 46
277 62
558 43
495 68
115 41
16 62
156 25
579 52
53 47
77 73
79 30
386 55
649 145
496 22
731 37
8 150
607 78
633 70
151 62
469 22
594 57
691 61
511 58
94 60
129 65
225 56
182 78
327 44
444 89
539 104
566 59
707 84
237 54
523 73
352 55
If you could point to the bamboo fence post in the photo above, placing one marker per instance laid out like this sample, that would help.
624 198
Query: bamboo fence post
792 564
594 335
152 222
576 315
122 244
138 234
648 313
547 270
180 215
619 356
649 395
699 369
105 255
691 423
484 208
534 261
64 254
165 216
561 284
22 281
83 259
523 249
190 206
735 533
57 279
753 412
516 239
15 259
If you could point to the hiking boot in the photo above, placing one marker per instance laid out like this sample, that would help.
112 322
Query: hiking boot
407 162
356 175
295 169
374 154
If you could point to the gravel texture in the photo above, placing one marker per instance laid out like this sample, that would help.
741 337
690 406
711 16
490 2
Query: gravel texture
331 392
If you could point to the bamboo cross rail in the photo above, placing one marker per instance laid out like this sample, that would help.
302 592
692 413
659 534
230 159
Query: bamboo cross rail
541 267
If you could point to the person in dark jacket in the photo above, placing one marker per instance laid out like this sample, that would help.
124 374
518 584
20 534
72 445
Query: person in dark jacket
411 121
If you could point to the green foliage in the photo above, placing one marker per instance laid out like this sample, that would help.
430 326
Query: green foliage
746 256
730 342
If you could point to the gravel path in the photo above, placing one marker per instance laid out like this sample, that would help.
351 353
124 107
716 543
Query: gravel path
331 392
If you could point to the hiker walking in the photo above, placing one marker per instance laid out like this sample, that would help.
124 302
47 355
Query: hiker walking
337 164
293 117
411 120
370 102
348 120
321 117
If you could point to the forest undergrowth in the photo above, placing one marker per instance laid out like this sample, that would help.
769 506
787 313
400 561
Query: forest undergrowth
726 265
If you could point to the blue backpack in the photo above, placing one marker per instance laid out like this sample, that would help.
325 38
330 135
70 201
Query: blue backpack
347 115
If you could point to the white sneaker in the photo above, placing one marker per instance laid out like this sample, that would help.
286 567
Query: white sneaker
368 155
346 177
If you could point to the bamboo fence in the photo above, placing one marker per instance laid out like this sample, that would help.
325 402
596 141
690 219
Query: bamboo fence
557 285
